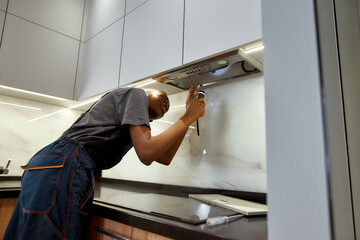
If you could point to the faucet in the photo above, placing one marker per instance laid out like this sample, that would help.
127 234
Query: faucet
5 170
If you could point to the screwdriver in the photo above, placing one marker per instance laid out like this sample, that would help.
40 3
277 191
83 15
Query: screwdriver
222 219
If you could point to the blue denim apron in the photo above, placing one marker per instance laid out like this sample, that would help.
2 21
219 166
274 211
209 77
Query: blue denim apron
56 193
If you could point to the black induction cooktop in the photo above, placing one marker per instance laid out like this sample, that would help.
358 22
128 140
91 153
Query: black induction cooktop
176 208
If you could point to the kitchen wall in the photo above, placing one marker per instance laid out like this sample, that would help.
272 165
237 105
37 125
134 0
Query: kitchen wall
21 139
228 154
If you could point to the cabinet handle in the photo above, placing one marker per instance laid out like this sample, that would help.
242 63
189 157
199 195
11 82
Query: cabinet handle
110 234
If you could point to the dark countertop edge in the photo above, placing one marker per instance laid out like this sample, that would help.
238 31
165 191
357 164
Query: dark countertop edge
183 191
150 223
10 178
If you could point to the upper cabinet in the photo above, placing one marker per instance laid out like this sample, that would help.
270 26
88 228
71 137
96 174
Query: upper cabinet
37 59
98 70
63 16
213 26
132 4
2 17
101 14
99 63
78 49
3 4
152 42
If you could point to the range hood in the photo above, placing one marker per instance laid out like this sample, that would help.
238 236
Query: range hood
226 66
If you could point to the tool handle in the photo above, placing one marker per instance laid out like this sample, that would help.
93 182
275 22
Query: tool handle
217 220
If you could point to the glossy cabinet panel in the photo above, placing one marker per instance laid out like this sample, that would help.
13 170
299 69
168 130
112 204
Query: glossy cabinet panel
100 62
61 16
2 17
132 4
213 26
100 14
152 40
3 4
37 59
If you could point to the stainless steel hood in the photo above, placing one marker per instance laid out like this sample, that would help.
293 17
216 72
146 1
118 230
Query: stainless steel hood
226 66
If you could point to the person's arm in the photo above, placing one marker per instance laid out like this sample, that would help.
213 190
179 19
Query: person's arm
163 147
167 157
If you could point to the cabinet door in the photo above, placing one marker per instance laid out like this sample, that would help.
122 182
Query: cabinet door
2 17
213 26
7 206
132 4
101 14
139 234
3 4
37 59
100 62
152 39
109 226
61 16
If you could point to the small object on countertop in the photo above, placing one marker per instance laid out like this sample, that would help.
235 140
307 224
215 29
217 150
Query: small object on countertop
222 219
6 169
201 94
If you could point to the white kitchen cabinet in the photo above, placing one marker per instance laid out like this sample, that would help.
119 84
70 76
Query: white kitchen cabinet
61 16
132 4
37 59
152 39
100 62
213 26
3 4
100 14
2 17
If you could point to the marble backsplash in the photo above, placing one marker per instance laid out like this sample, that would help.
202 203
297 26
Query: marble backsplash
21 139
229 153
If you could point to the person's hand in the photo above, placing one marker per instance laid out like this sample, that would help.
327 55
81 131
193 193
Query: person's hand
195 107
191 95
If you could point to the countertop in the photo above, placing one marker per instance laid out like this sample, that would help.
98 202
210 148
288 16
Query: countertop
254 227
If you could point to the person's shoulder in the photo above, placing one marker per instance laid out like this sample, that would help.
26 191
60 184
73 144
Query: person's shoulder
127 90
122 92
135 92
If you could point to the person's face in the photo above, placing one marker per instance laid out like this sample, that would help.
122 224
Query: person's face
158 104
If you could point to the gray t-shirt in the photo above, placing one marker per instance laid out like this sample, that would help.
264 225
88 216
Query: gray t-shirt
104 128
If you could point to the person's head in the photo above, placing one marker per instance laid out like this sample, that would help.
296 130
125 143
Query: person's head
158 103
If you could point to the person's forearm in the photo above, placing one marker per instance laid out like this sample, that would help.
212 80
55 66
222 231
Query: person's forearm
150 148
168 156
